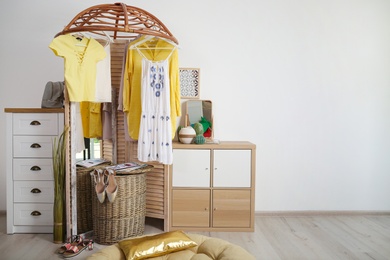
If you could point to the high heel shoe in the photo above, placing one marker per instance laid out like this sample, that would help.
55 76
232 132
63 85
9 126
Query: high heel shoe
100 186
112 187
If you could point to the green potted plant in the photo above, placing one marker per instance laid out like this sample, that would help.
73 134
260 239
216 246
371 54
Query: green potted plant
59 170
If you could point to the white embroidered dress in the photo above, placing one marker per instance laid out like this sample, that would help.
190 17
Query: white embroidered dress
155 135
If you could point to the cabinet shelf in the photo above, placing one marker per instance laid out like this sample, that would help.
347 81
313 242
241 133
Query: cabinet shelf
212 187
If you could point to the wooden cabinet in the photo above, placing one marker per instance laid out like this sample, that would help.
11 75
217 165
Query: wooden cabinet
30 186
190 208
213 187
232 208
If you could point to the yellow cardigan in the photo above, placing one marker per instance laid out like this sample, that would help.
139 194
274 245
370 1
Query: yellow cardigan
91 118
132 82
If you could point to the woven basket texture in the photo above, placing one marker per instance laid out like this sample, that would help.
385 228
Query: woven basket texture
84 198
125 217
84 201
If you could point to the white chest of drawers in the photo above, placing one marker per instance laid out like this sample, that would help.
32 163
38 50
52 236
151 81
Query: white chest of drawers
30 186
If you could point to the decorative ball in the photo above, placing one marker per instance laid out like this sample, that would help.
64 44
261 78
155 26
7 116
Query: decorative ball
186 135
199 139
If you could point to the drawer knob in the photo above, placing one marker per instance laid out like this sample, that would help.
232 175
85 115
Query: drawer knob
35 213
35 145
35 122
35 190
35 168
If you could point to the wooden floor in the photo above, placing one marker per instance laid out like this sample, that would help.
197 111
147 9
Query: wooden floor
276 237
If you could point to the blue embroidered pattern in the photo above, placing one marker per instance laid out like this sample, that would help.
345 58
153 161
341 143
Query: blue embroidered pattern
157 85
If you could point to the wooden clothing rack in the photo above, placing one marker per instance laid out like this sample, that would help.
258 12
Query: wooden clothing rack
122 23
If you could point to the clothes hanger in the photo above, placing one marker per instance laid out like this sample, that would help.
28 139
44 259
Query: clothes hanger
80 36
148 47
151 38
108 39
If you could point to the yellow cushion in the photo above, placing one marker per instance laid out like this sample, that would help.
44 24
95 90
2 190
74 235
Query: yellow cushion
156 245
204 251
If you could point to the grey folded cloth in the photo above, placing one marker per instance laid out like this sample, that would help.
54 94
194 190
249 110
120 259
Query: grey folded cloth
53 96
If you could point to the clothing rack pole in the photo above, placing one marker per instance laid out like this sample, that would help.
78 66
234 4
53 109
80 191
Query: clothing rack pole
70 177
114 126
68 155
73 175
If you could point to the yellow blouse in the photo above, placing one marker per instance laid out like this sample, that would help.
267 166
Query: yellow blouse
80 59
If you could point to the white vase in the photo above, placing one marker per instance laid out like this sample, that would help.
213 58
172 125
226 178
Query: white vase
186 135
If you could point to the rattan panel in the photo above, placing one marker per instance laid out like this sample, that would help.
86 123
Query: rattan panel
114 150
155 186
120 151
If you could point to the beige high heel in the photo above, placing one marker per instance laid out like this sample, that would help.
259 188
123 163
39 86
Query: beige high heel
100 186
112 187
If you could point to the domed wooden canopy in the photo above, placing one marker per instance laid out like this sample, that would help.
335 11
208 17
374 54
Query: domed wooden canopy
118 21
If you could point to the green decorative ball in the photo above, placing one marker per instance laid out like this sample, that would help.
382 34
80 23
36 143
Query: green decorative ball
199 139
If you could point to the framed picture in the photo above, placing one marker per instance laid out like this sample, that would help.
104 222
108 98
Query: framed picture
189 83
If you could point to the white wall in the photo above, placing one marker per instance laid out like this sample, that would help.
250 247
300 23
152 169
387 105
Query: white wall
307 81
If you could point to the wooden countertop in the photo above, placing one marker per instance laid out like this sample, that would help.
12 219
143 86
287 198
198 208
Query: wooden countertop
221 145
34 110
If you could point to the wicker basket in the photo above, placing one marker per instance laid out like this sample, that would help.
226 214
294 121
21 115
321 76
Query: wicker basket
125 217
84 198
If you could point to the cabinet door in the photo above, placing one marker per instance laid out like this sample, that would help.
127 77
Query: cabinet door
191 208
231 208
232 168
191 168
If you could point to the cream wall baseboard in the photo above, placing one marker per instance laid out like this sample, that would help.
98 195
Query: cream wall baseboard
306 213
309 212
318 213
